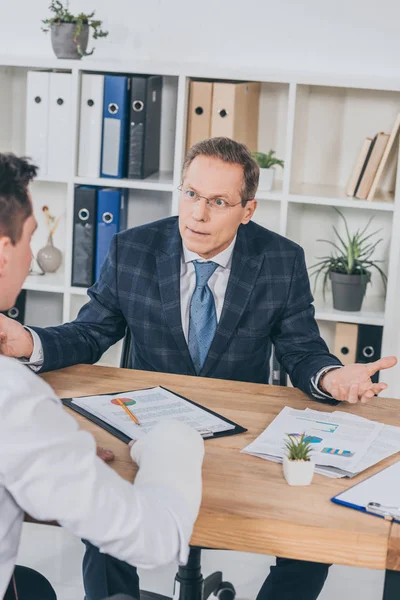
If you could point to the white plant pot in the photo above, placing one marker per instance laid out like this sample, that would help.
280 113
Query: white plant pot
266 180
298 472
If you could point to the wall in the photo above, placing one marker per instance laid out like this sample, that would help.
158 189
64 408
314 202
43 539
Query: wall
342 37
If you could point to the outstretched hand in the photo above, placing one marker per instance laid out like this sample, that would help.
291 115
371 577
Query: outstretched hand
353 384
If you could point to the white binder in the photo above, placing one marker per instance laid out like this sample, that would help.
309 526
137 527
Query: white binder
90 129
37 118
60 133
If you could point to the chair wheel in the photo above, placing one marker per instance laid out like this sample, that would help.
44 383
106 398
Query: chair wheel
225 591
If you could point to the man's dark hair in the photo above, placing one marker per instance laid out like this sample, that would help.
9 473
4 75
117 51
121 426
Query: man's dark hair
15 205
230 152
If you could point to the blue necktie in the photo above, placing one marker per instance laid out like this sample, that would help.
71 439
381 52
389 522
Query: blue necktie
203 317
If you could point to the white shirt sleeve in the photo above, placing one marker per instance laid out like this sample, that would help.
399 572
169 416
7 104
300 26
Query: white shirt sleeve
52 471
35 362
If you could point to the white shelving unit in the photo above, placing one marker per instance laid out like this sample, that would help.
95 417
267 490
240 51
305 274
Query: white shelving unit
316 123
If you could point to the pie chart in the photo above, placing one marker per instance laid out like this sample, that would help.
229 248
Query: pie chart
126 401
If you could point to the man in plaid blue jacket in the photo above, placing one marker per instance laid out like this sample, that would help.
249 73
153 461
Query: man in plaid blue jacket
204 294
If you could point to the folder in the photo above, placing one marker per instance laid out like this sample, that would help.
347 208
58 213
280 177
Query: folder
90 127
17 312
199 114
346 337
385 157
60 132
108 215
375 157
235 111
115 126
369 345
84 236
144 126
378 495
37 118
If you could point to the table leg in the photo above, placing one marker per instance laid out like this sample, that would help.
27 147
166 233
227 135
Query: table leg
391 590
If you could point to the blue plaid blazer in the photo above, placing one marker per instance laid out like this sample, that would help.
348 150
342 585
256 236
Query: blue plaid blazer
268 301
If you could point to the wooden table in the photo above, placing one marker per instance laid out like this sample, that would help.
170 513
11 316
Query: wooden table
247 505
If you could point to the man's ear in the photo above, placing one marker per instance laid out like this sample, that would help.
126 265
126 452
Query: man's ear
5 245
249 211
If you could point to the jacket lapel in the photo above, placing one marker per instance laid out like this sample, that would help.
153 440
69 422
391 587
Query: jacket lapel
246 264
168 260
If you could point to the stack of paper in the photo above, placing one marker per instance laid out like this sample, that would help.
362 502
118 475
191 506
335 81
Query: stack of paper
342 444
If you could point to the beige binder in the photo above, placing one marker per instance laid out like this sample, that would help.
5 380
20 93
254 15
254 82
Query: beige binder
199 116
346 342
235 110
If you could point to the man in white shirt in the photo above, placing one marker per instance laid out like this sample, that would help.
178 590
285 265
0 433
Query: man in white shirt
206 293
50 470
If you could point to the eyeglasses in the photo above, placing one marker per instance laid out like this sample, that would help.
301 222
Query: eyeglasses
215 204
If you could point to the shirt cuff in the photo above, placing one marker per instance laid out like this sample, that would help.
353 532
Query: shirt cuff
35 362
319 393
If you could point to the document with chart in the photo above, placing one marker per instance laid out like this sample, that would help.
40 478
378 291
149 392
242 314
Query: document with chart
149 407
342 444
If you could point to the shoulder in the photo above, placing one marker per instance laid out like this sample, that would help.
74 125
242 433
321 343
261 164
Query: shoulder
265 241
18 381
148 236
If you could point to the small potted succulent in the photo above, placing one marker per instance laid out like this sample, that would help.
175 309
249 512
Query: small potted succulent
298 468
70 33
267 163
349 266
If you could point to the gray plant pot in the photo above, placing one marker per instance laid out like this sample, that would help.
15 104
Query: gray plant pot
62 40
348 290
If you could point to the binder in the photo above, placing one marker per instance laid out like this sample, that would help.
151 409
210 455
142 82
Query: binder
278 374
60 132
115 126
346 337
17 312
124 438
144 126
235 111
199 114
84 236
378 495
37 118
90 127
375 157
369 345
108 214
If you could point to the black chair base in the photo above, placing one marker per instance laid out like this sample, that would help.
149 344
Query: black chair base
190 584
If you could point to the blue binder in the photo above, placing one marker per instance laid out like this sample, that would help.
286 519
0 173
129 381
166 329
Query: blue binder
378 495
115 126
108 223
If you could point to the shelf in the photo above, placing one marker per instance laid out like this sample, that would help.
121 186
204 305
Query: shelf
274 194
330 195
78 291
162 182
372 312
49 179
50 282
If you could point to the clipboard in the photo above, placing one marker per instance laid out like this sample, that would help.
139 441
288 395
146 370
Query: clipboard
378 495
125 438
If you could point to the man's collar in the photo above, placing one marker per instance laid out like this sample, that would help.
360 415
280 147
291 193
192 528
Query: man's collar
223 259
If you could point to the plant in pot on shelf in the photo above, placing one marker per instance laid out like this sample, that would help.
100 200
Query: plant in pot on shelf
49 258
349 266
70 33
267 163
298 467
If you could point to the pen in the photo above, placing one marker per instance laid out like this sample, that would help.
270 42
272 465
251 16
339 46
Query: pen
126 409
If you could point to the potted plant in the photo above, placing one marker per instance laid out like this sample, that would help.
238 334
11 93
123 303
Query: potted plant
70 33
298 468
267 162
349 267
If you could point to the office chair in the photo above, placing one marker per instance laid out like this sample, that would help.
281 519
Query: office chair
189 582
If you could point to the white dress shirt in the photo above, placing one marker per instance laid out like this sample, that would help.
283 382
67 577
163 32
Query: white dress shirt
217 283
49 469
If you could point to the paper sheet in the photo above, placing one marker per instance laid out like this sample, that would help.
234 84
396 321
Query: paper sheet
150 406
